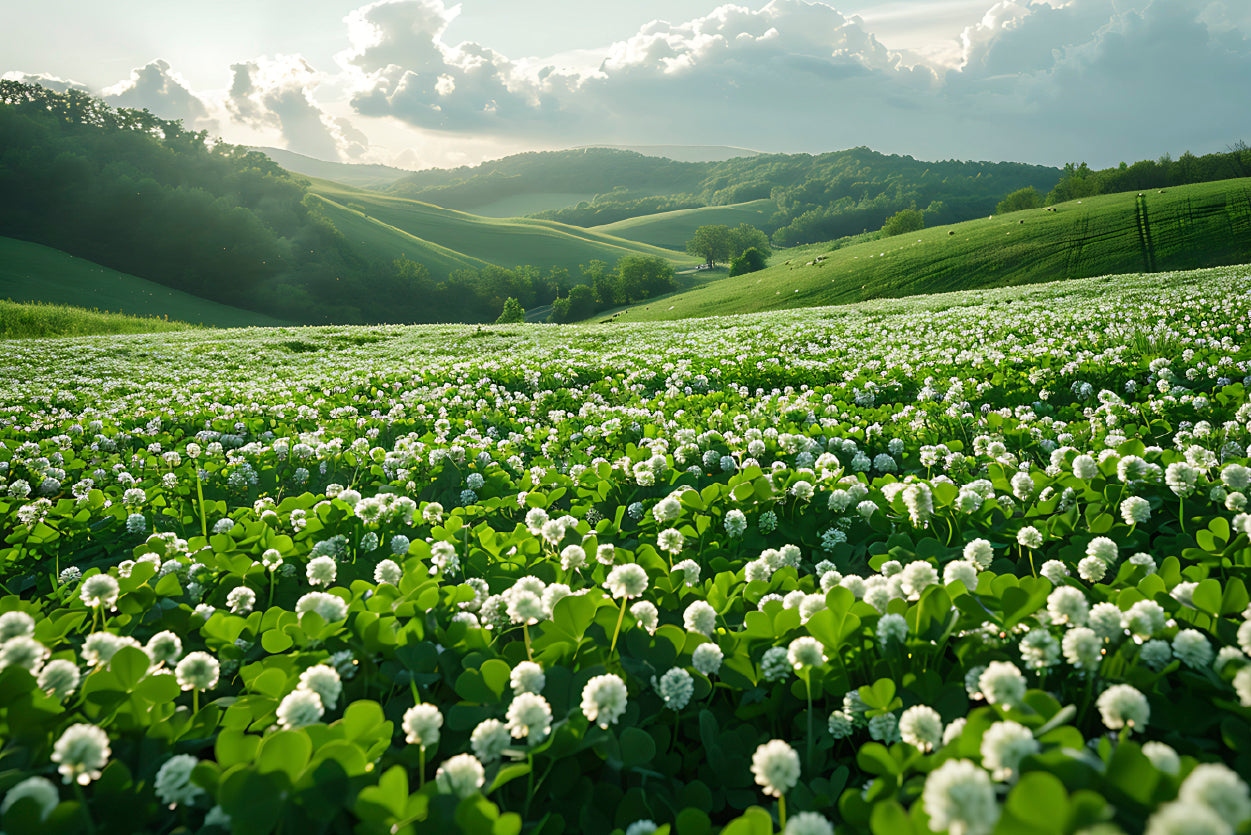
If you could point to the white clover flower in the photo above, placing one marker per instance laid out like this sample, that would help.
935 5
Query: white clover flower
775 765
388 571
1144 619
329 607
321 571
529 716
1106 620
1244 635
1104 549
99 647
527 677
1180 818
919 501
885 728
646 614
271 559
525 607
40 789
808 823
421 725
700 617
489 739
735 522
1218 787
323 680
805 652
954 730
962 571
1156 654
461 775
59 678
707 658
432 514
99 590
1001 683
1123 706
1083 648
1039 649
1163 757
82 752
1135 510
891 628
628 581
173 781
16 625
300 708
641 827
1004 745
840 724
572 557
241 600
1068 605
916 577
1242 686
604 699
1092 569
774 664
1029 537
675 687
1181 478
164 647
691 571
670 541
960 799
198 671
921 727
980 552
1192 649
23 651
1054 570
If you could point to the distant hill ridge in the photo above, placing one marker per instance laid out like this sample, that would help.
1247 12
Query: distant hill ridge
681 153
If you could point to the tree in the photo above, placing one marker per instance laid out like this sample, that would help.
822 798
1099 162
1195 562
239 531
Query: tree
560 310
643 276
902 221
581 302
750 261
744 237
712 243
1023 198
511 313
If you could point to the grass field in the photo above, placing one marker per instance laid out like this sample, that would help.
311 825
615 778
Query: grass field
469 238
35 273
1185 227
520 205
39 319
674 229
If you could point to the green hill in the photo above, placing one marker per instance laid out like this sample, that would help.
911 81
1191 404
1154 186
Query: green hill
682 153
353 174
460 239
673 229
1185 227
35 273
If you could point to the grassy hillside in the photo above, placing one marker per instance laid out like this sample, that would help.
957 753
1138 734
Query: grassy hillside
470 238
352 174
39 319
521 205
683 153
1203 225
36 273
673 229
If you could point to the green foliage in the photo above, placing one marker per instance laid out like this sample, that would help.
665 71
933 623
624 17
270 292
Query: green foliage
1080 181
712 243
512 312
828 498
750 261
903 221
1025 198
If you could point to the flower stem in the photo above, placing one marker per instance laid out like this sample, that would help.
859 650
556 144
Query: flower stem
782 811
199 491
421 767
617 631
82 800
808 687
525 630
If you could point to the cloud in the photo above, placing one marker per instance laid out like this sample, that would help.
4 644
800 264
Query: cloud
52 82
157 88
278 92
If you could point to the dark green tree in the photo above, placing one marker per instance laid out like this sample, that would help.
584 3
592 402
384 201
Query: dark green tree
512 313
560 310
712 243
904 220
749 262
643 276
744 237
1022 198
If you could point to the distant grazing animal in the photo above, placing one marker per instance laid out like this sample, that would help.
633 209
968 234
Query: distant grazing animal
951 232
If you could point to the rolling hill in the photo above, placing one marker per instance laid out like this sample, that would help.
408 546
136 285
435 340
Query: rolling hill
673 229
35 273
390 226
361 175
1185 227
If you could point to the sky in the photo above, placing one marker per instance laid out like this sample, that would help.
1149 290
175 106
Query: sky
431 83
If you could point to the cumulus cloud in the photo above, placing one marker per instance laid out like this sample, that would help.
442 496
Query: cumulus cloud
278 92
157 88
52 82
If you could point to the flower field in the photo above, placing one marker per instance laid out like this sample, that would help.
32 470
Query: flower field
973 563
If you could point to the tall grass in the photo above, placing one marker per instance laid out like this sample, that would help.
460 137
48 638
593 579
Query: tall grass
25 320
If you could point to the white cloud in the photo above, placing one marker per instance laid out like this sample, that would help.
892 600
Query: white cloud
279 92
52 82
156 87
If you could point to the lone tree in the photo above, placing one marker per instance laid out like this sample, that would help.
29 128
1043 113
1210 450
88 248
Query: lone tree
713 243
1025 198
511 313
904 220
750 261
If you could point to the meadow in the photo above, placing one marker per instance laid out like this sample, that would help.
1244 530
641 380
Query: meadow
1178 228
971 563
